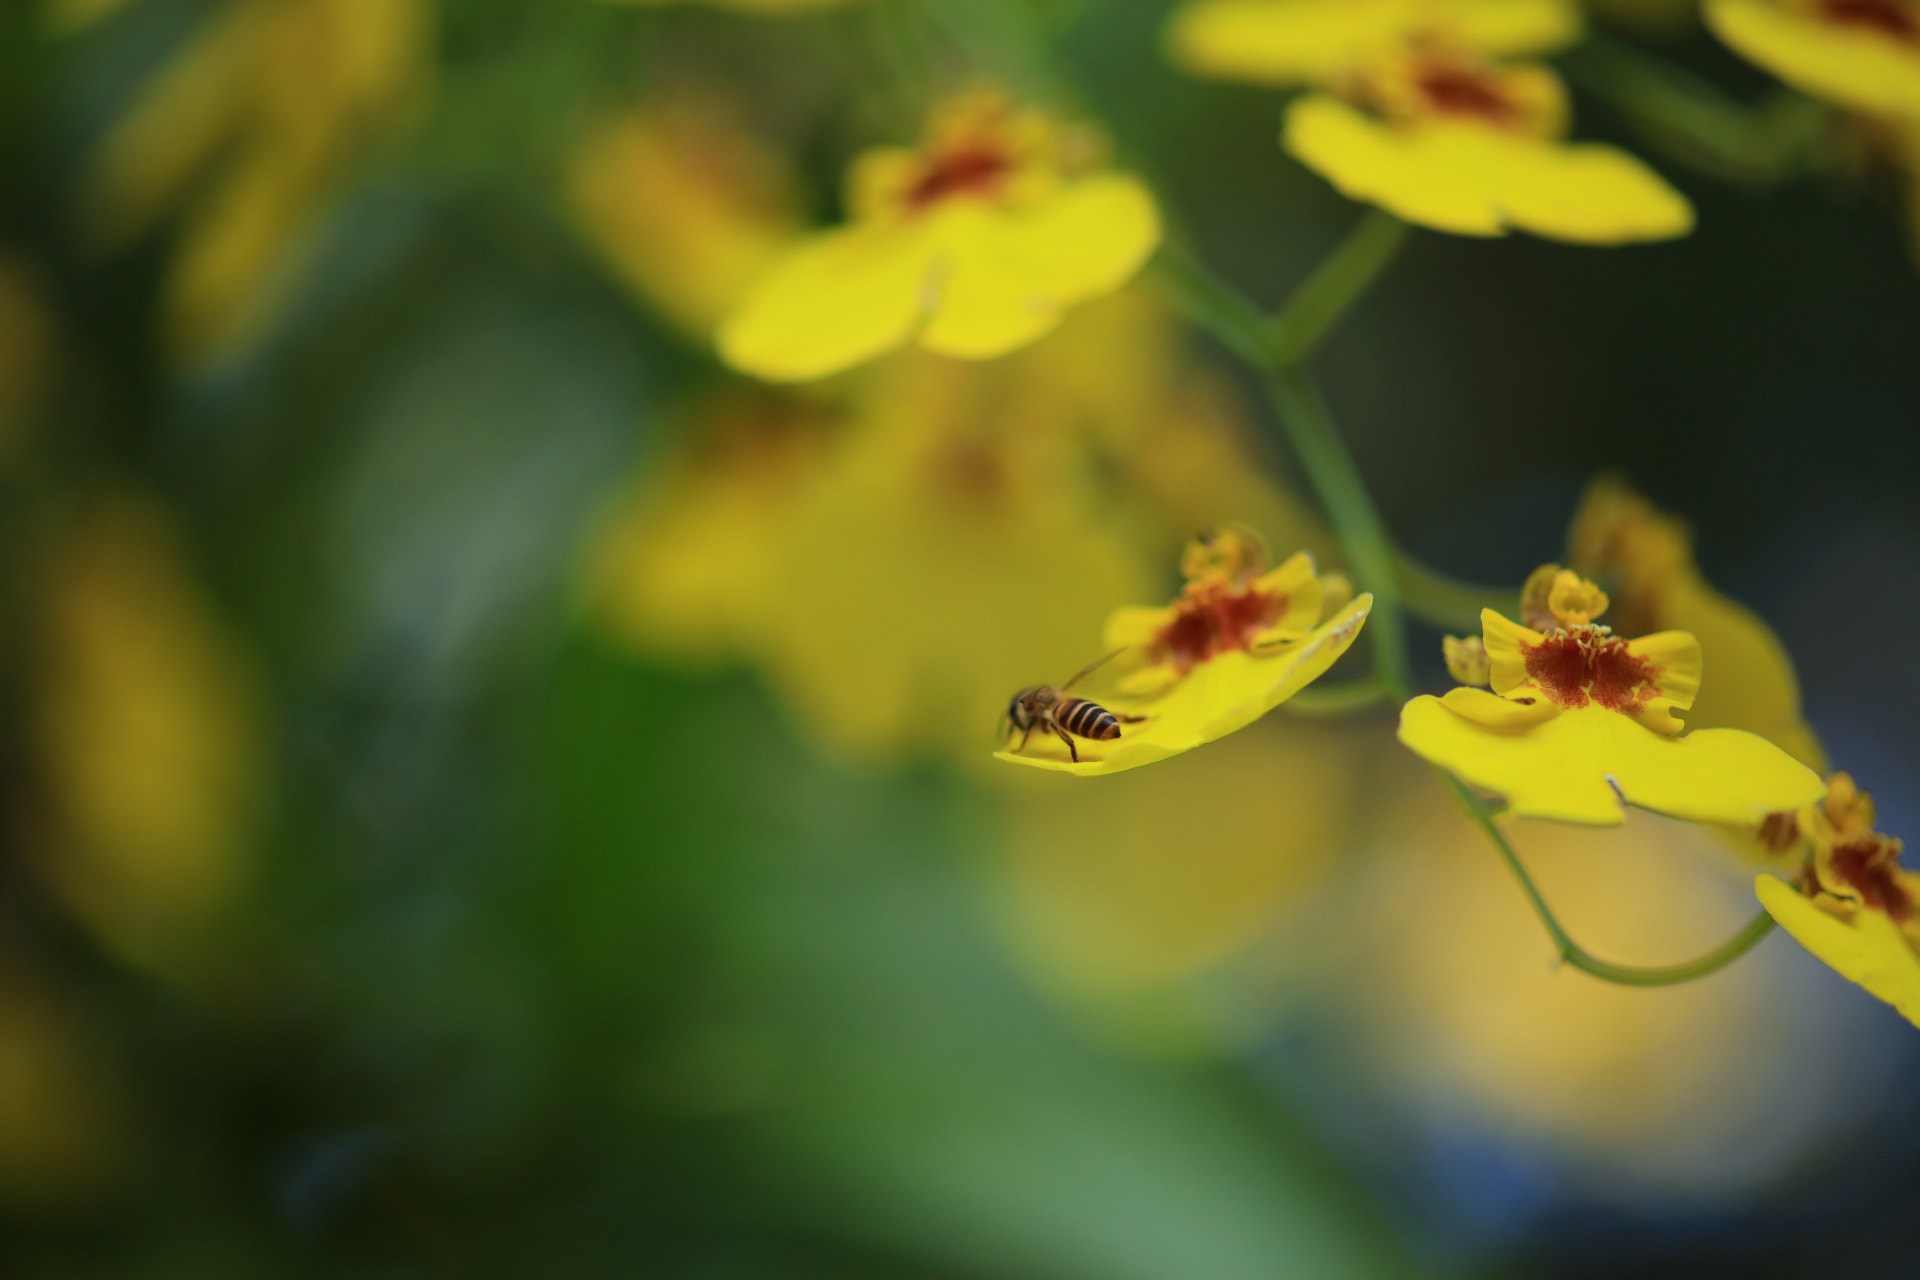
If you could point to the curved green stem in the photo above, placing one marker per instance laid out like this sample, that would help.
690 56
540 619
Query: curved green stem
1309 429
1335 285
1448 604
1692 120
1627 975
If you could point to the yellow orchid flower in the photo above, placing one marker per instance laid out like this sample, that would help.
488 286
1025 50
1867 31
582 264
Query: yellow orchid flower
1421 118
1861 54
1579 720
1236 644
247 133
974 244
1853 906
1645 559
684 202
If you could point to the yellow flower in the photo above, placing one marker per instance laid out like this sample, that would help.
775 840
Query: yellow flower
1236 644
249 131
974 244
1861 54
147 726
685 203
1423 120
1466 659
899 552
1131 920
1854 906
1460 1011
1579 720
1645 558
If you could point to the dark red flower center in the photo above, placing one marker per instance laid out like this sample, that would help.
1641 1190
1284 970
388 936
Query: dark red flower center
1892 18
1871 868
971 168
1212 618
1583 665
1451 89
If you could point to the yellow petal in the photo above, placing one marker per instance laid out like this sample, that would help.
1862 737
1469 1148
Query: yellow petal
1298 585
1134 625
1313 41
1495 712
1578 765
1474 180
1867 950
1848 64
841 297
1677 655
1015 271
1507 643
1369 162
1223 694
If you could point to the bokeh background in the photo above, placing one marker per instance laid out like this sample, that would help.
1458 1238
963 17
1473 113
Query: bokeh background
487 791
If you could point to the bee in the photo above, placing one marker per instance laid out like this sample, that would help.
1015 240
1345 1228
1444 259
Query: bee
1045 707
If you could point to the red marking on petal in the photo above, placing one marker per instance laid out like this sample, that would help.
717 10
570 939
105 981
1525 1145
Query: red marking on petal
1212 618
976 168
1890 18
1779 832
1465 91
1871 868
1575 667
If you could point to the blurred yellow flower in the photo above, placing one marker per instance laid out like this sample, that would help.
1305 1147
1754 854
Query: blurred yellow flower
1861 54
1422 120
1645 559
1579 720
1236 644
26 349
1854 905
898 556
65 1124
1123 912
685 203
1448 981
249 130
745 6
144 717
973 245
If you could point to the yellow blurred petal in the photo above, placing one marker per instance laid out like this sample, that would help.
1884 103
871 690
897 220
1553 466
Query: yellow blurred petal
1310 41
1851 65
1134 625
1472 180
1015 271
1225 693
1568 767
148 733
840 298
1867 950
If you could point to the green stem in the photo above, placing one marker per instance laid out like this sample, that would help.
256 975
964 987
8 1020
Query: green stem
1214 305
1627 975
1446 603
1309 429
1693 120
1317 305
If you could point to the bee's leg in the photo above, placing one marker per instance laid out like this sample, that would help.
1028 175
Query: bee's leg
1127 719
1068 739
1023 738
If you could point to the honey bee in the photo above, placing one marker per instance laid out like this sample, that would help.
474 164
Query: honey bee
1045 707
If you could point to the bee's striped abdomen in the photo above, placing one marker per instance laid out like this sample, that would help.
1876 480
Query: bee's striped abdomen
1087 720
